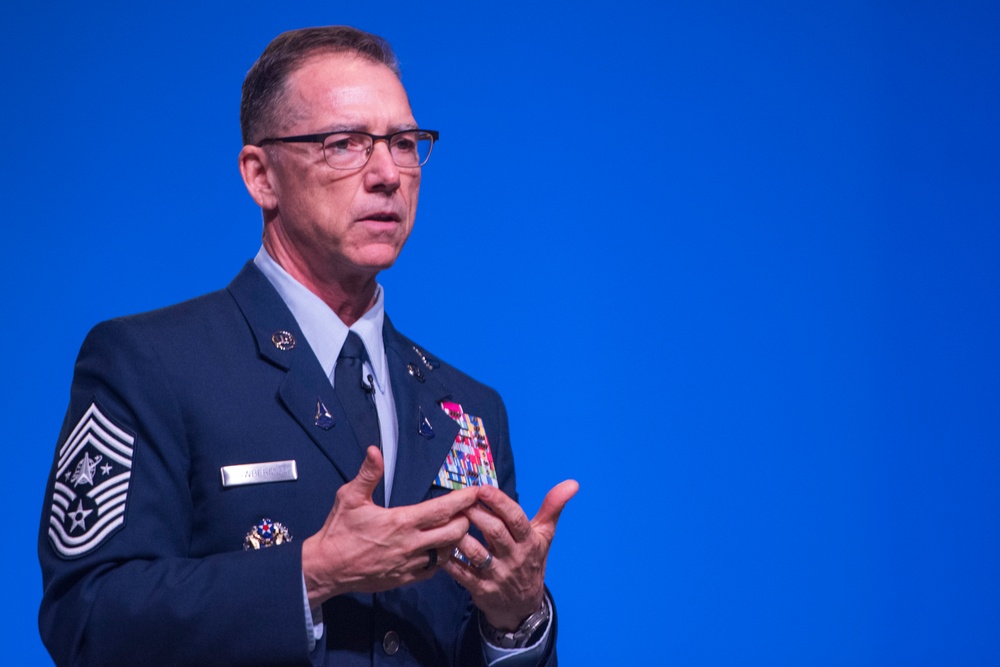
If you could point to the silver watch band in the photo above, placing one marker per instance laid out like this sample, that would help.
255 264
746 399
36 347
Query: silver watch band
525 635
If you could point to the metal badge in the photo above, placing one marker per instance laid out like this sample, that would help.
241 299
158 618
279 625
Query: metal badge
424 427
430 362
259 473
283 340
415 372
265 534
323 417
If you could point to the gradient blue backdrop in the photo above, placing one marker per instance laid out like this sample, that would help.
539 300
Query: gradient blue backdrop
734 267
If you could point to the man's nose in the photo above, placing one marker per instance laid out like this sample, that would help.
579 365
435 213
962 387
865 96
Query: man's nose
382 172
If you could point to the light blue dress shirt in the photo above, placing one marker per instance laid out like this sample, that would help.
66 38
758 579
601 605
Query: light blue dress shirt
326 333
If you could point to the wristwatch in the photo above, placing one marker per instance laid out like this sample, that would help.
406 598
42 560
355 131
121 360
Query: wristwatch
527 634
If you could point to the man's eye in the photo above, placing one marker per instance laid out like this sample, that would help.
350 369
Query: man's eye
405 144
346 143
337 144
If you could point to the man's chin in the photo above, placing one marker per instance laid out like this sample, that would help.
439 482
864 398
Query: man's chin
377 258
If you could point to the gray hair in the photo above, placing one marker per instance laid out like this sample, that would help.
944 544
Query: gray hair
264 87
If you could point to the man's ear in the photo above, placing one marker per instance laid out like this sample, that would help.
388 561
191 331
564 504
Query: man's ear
255 167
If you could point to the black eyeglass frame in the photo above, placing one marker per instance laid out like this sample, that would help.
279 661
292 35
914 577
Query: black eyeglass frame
321 140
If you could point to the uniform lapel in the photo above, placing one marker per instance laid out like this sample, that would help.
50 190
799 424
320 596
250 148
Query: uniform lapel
418 457
305 388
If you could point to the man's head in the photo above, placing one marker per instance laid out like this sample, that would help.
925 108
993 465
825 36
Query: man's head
331 227
264 88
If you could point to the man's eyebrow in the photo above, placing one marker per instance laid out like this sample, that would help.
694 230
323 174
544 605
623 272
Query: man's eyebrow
341 127
366 128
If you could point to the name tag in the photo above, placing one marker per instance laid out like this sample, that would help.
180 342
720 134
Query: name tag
259 473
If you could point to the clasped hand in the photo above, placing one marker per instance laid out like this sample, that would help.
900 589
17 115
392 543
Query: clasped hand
363 547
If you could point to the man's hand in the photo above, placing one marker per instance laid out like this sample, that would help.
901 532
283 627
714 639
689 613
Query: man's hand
366 548
510 586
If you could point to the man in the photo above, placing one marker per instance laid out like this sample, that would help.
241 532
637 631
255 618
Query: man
272 474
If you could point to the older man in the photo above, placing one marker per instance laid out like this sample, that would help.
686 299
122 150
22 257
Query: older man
188 518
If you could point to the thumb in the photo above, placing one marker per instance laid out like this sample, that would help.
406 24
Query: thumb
555 500
368 476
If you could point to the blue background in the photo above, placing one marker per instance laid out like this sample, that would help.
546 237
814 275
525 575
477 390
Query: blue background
734 267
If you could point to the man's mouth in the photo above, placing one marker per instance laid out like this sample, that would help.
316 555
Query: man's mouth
382 216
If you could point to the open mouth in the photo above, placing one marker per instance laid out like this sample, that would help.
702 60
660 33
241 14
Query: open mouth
382 217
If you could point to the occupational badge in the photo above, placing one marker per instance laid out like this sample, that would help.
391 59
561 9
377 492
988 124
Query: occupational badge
424 426
91 484
265 534
323 417
283 340
470 461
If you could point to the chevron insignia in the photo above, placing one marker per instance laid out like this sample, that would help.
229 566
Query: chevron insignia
91 484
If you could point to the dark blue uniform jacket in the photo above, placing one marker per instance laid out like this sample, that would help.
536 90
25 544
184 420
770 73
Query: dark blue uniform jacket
141 545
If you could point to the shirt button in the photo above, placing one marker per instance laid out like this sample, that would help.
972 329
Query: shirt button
390 643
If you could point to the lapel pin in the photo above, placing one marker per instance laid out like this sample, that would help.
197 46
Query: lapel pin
283 340
430 362
424 427
415 371
323 417
265 534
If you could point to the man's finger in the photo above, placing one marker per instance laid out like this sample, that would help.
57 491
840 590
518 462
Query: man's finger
445 536
363 485
494 529
478 556
462 574
504 507
555 500
439 511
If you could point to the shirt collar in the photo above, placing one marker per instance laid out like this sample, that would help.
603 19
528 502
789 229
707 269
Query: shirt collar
324 331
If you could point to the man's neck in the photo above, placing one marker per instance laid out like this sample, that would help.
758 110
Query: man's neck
349 296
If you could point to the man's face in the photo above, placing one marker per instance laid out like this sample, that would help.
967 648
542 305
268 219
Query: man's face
333 224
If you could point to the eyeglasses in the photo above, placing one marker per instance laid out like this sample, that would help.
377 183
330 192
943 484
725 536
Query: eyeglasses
351 150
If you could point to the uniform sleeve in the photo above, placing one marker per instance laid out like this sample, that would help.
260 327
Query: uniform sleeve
120 583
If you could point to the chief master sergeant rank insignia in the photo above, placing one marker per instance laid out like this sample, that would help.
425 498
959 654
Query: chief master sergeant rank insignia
91 484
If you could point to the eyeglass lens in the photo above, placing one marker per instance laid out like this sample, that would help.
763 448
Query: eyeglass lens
348 150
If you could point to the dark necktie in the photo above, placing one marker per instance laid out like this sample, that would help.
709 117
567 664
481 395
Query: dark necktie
356 393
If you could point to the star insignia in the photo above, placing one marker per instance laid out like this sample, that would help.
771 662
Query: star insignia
79 516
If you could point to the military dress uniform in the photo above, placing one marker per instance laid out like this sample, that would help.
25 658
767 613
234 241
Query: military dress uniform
142 541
